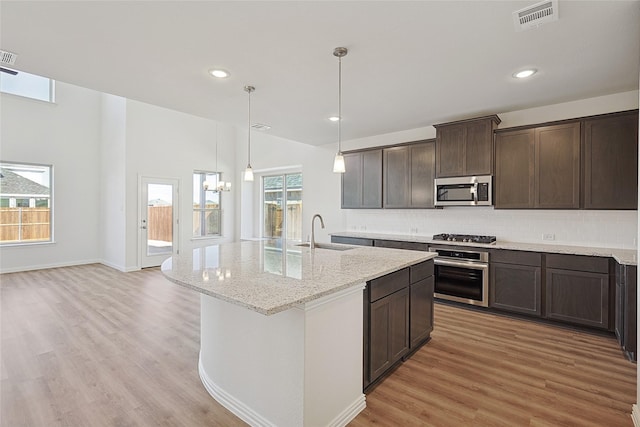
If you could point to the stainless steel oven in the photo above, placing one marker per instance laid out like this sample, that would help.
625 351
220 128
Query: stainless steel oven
462 275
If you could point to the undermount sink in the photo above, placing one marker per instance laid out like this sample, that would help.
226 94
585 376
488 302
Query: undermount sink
328 246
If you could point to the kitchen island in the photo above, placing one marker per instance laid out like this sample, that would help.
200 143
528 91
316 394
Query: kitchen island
282 326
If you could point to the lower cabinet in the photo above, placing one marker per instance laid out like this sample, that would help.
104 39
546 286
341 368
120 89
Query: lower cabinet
398 318
516 282
421 311
577 290
626 309
352 240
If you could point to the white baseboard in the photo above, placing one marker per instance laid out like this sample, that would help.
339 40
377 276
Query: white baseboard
45 266
635 415
238 408
350 412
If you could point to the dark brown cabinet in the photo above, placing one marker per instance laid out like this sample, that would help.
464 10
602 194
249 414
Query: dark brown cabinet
394 244
421 310
516 282
362 180
626 309
539 167
577 290
398 318
611 161
514 180
352 240
408 173
465 147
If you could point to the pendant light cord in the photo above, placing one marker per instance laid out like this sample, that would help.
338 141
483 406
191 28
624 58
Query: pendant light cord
249 130
339 104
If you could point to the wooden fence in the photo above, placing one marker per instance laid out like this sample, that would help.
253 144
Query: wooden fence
25 224
160 223
273 221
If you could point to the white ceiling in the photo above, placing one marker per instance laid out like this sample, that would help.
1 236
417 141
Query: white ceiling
410 64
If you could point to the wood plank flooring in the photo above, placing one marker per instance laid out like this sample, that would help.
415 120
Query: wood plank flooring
90 346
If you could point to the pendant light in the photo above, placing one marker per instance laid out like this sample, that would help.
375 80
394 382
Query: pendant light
248 172
338 161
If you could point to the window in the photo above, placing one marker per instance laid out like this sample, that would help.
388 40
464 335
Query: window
282 206
25 203
207 213
27 85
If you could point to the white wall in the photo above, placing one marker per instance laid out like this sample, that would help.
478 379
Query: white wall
590 228
99 145
321 187
163 143
67 135
112 181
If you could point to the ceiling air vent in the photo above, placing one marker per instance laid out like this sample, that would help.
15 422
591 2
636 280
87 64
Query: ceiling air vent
535 15
8 58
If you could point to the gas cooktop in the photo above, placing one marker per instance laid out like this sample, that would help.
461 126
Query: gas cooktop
466 238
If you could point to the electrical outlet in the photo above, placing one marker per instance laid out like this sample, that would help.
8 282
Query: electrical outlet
414 230
548 236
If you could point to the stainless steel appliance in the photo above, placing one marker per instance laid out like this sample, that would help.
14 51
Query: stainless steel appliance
465 238
464 191
462 275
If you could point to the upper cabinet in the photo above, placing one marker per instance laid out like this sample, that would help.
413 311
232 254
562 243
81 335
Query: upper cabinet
589 163
362 181
538 167
557 166
465 147
611 161
408 173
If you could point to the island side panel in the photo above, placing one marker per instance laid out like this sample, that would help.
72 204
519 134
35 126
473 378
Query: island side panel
333 358
254 364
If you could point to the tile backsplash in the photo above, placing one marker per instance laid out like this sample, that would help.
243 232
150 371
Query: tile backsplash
612 229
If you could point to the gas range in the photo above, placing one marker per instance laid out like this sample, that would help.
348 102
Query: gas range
465 238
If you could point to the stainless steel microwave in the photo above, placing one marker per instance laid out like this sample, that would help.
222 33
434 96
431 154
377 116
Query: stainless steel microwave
464 191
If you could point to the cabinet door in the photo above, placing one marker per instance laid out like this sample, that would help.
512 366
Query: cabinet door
514 181
611 162
372 179
478 148
630 327
421 311
557 166
388 332
396 191
362 180
423 165
516 288
352 181
620 304
450 151
578 297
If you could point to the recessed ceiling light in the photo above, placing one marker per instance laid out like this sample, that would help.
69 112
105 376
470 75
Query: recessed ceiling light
525 73
334 118
219 73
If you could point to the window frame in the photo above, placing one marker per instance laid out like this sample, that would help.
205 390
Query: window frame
51 239
51 92
202 209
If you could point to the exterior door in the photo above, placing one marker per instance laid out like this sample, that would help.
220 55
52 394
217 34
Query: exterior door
158 225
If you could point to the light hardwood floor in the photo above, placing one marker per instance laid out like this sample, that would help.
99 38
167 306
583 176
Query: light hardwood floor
90 346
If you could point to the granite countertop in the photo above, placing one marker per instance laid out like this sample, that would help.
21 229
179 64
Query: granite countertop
622 256
259 276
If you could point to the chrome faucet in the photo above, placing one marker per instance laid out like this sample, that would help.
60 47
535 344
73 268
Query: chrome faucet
312 242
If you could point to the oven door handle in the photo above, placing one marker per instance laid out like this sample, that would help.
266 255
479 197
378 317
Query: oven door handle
463 264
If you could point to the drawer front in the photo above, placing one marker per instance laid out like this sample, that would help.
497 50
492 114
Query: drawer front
590 264
414 246
352 240
533 259
386 285
421 271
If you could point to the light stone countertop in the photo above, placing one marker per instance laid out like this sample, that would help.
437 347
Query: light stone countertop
622 256
257 275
